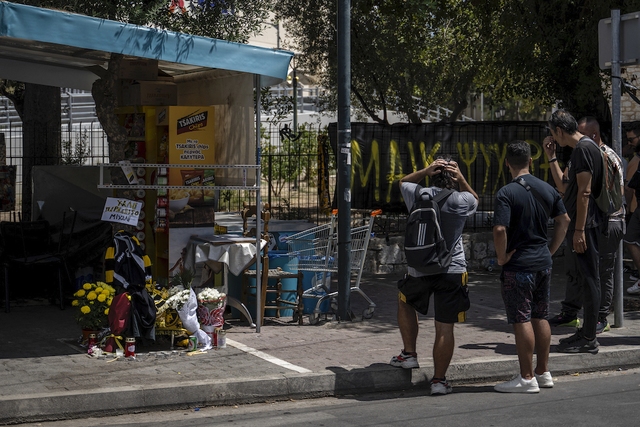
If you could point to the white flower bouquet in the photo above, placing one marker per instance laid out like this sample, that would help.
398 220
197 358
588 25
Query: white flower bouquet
178 297
211 305
190 322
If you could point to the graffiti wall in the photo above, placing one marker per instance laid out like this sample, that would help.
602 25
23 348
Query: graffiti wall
381 155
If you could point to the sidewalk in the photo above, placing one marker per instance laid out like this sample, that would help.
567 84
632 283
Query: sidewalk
44 376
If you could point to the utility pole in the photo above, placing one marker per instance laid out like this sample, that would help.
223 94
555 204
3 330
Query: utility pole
616 134
344 159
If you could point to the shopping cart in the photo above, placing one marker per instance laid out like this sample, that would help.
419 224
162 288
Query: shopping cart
317 251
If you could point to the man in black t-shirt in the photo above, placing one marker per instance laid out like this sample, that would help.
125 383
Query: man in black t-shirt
585 179
521 216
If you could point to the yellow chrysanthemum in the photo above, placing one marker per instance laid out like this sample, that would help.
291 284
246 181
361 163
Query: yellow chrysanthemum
85 309
75 303
102 297
80 293
106 311
87 286
98 290
91 296
109 301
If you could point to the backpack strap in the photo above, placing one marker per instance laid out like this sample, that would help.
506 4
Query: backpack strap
520 180
439 198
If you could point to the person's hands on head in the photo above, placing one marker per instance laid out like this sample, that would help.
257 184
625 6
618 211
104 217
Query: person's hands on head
454 171
436 167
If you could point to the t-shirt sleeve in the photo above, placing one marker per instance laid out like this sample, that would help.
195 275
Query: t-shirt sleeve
583 159
558 205
502 209
408 191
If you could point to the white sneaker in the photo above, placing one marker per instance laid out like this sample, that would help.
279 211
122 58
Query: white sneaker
545 380
440 387
635 289
518 385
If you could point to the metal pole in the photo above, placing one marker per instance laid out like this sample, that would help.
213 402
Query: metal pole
344 159
294 82
616 134
256 84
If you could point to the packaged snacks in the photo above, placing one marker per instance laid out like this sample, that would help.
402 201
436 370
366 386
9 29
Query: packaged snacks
194 178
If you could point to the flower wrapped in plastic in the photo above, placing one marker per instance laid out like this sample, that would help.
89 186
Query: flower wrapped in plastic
211 305
190 322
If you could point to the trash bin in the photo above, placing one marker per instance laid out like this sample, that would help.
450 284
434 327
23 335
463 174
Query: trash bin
277 258
308 280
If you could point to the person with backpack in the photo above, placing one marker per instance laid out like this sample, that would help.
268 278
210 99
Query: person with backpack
521 216
608 242
443 272
585 175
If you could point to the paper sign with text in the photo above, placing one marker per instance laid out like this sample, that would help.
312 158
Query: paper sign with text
124 211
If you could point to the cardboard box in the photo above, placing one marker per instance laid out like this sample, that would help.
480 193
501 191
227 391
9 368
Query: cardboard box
150 93
139 69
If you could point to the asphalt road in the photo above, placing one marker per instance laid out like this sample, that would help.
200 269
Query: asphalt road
598 399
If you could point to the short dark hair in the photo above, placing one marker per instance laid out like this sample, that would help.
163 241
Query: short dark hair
518 153
443 179
564 120
633 127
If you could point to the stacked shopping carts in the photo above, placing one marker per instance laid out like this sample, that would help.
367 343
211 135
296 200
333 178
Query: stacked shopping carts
317 251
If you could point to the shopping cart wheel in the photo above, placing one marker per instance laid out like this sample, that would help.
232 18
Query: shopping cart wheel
368 313
314 318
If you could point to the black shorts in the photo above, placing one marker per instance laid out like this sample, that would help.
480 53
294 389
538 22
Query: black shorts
451 295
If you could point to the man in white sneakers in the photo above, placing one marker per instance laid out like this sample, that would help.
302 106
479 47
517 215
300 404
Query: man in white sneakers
521 216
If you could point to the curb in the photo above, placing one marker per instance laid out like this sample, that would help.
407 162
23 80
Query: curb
334 381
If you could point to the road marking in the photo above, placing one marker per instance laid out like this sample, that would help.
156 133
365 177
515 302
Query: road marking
267 357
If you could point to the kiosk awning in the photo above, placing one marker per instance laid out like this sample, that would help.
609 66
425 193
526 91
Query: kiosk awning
56 48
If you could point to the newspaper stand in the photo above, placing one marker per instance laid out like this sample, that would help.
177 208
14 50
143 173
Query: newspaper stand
317 251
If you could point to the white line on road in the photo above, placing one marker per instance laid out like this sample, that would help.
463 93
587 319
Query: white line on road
267 357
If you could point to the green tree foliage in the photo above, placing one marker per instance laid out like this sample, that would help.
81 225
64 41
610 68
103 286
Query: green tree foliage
412 55
406 56
548 50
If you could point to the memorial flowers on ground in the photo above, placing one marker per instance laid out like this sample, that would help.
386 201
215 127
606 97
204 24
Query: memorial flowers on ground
211 305
92 302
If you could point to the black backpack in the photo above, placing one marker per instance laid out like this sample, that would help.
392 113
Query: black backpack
424 244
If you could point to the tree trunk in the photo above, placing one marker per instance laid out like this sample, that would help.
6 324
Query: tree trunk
105 96
41 126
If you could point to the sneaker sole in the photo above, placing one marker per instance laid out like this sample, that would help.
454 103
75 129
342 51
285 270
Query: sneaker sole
404 365
578 350
573 324
518 390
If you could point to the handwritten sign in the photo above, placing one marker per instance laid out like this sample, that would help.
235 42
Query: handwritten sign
124 211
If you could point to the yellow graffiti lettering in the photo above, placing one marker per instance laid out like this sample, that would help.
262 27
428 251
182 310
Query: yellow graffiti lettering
487 160
395 168
427 159
374 162
538 155
501 154
467 158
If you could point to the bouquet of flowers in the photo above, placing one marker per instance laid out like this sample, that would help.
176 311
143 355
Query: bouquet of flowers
93 301
211 305
190 322
178 296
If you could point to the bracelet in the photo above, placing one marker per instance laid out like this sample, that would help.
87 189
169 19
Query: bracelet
553 160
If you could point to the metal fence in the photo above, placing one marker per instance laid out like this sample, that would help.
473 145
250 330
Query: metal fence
299 186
